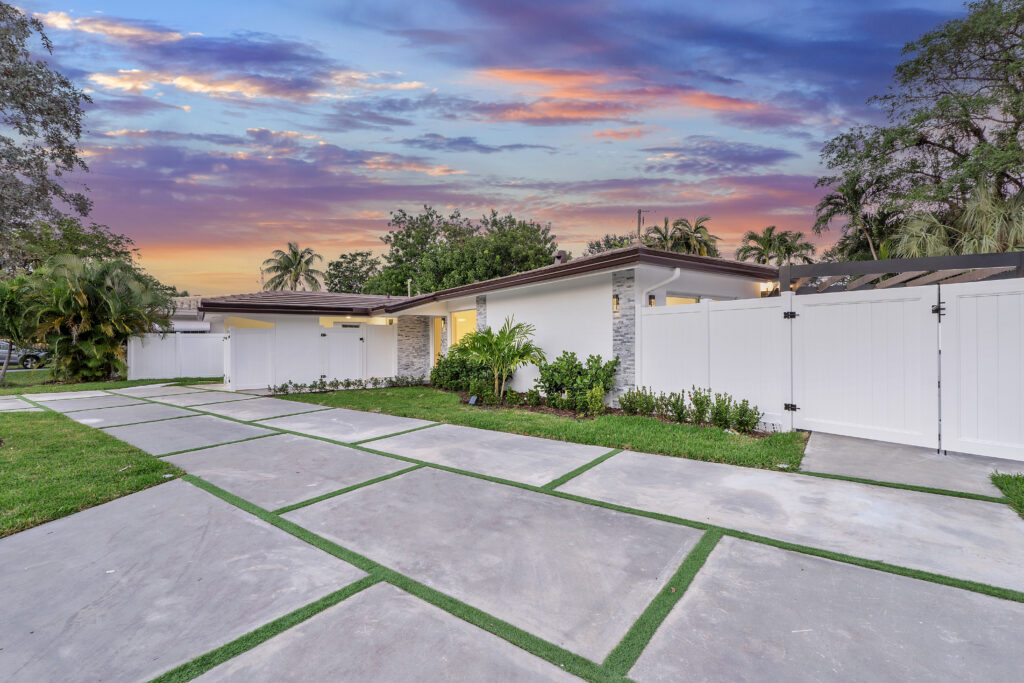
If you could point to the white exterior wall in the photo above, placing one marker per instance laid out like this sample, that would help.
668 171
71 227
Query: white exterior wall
175 355
574 314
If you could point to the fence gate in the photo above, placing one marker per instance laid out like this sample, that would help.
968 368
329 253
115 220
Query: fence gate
866 364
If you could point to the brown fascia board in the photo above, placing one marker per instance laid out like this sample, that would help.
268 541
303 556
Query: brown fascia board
614 259
219 307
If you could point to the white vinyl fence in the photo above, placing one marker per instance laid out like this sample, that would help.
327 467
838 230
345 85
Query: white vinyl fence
877 364
152 356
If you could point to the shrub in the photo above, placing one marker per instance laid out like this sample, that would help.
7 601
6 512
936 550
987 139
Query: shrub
559 375
567 377
640 401
513 397
482 389
675 406
532 397
504 351
456 370
595 401
700 399
746 417
721 411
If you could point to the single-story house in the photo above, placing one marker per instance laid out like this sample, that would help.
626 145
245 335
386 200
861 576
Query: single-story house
587 305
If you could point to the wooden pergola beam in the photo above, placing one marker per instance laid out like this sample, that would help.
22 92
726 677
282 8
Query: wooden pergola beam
899 278
975 275
936 276
829 281
863 280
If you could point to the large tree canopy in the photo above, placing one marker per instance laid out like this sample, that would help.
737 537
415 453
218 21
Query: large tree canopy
350 272
435 251
40 124
31 246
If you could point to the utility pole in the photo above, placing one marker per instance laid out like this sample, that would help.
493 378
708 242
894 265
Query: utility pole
639 222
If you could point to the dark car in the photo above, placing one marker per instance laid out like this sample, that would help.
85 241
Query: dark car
26 358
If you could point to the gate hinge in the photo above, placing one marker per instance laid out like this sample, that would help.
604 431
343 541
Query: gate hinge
790 407
323 334
789 315
939 309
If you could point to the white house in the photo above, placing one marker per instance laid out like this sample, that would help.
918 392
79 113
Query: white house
588 305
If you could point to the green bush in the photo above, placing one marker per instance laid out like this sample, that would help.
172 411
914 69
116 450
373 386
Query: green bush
700 399
746 417
513 397
456 370
641 401
595 401
532 397
721 411
567 383
675 407
483 390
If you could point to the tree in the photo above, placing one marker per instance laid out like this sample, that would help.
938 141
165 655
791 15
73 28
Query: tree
987 223
848 199
769 246
793 247
662 236
86 310
40 123
954 116
694 238
293 268
350 272
608 242
504 351
12 318
31 246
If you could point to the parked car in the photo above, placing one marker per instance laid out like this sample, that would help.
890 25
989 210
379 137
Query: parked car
26 358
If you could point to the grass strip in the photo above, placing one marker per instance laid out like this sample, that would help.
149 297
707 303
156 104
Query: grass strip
205 662
1012 486
579 470
624 656
332 494
907 487
388 436
215 445
561 657
40 382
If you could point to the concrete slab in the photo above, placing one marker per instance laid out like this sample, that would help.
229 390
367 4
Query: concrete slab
260 408
161 438
577 575
347 426
383 635
151 390
759 613
515 457
284 469
966 539
64 395
93 403
132 588
13 403
123 415
23 410
883 461
198 398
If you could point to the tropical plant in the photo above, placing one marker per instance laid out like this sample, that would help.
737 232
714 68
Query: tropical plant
987 223
86 310
662 236
694 238
456 370
504 351
12 319
848 199
609 242
293 269
769 246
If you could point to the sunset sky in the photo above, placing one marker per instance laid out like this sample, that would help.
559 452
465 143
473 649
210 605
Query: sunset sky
223 129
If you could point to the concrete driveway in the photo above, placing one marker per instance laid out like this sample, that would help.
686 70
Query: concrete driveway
316 544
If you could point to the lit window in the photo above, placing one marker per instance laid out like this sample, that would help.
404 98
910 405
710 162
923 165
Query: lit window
679 300
463 322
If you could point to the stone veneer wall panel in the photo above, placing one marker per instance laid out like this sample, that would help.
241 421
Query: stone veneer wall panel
481 312
624 329
414 345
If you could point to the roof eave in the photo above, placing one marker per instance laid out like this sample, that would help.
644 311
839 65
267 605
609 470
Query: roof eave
286 310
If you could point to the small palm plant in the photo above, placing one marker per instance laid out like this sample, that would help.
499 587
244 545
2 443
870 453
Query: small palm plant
504 351
293 268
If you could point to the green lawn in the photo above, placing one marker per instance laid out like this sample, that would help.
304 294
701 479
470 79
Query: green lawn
51 466
40 381
1012 486
613 431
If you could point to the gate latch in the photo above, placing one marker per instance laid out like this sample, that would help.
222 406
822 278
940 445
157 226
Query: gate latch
323 334
939 309
789 315
790 407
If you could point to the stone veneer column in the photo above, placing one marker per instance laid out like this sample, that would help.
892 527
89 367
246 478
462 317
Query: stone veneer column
624 330
414 345
481 312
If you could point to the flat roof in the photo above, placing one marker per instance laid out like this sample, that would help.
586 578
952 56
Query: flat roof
327 303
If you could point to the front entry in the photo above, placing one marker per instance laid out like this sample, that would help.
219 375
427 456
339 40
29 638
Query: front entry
344 352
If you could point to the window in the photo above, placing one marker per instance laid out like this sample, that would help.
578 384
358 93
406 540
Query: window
679 300
438 334
463 322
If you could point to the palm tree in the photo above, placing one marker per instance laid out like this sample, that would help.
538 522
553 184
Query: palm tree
792 246
694 238
848 199
85 311
762 247
985 224
504 351
659 237
293 268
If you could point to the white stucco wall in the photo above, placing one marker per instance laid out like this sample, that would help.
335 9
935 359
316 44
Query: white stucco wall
570 315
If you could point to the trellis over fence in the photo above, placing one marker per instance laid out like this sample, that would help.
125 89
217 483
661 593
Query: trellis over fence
818 278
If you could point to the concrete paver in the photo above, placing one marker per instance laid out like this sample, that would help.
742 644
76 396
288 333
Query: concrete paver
151 390
130 589
384 635
64 395
123 415
285 469
171 436
347 426
261 408
760 613
966 539
198 398
13 403
577 575
519 458
901 464
92 403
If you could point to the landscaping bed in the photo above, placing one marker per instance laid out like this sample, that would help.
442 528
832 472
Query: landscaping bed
51 467
612 429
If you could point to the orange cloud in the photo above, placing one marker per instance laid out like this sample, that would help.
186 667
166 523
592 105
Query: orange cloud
108 28
621 133
390 163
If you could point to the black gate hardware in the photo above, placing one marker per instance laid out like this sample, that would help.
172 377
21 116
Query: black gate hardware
790 407
789 315
938 309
